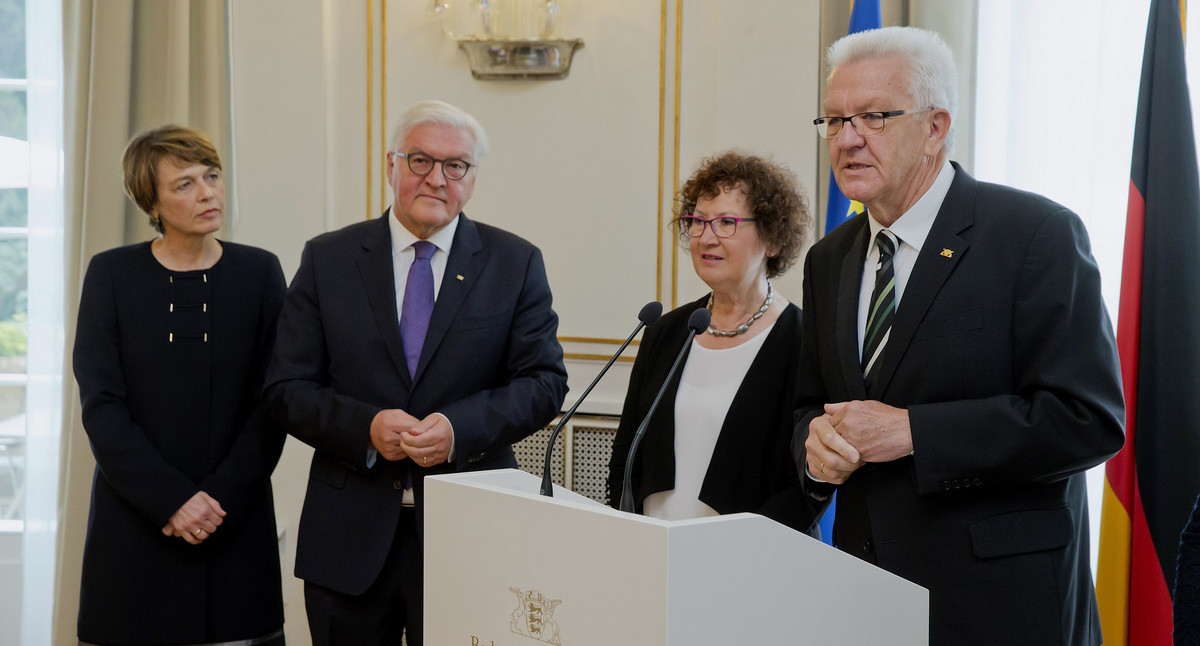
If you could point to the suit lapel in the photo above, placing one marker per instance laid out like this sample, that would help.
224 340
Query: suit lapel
379 281
467 258
847 312
941 253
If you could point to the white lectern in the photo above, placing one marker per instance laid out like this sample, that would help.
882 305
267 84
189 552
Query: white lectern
506 566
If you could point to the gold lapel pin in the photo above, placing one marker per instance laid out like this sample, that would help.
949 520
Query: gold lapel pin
947 253
459 276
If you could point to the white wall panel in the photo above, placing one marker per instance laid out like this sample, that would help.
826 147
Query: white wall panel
750 79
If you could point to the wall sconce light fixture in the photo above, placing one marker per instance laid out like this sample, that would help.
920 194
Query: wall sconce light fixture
509 39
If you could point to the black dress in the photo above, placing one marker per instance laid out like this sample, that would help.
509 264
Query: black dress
170 368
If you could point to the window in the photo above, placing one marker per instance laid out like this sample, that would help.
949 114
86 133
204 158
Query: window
31 320
14 259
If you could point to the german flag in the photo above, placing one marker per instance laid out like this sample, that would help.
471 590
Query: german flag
1150 486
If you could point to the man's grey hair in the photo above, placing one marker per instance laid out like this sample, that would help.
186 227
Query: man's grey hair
440 112
934 79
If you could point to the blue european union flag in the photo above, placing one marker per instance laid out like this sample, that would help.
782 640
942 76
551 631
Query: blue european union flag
864 15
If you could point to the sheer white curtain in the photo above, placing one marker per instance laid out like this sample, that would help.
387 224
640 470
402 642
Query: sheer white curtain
44 388
1056 100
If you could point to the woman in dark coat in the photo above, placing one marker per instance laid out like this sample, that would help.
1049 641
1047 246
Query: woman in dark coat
719 441
170 349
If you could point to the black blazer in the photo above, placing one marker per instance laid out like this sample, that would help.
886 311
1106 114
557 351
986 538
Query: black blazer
491 363
751 468
1003 354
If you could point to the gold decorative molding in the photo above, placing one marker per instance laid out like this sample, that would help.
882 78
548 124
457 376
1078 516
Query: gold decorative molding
383 134
662 118
675 155
370 78
594 357
585 339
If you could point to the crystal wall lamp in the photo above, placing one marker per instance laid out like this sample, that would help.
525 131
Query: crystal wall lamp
509 39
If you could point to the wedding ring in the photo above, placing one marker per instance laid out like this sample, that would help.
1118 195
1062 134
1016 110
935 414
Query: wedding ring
822 467
196 533
426 460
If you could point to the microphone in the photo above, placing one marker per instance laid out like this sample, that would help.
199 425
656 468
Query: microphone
697 324
649 314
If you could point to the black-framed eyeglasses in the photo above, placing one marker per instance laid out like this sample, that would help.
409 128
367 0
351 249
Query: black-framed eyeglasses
864 123
722 227
422 164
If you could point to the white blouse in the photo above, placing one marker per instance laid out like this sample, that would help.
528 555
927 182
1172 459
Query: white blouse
709 382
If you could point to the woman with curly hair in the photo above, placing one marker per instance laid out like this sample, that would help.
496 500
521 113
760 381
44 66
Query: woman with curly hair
719 443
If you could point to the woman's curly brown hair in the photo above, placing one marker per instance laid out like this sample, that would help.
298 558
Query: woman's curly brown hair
779 208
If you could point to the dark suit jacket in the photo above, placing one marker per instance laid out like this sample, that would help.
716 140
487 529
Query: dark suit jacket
1186 604
751 468
1003 354
491 363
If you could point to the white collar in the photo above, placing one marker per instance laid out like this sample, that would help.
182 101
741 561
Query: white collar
912 227
402 238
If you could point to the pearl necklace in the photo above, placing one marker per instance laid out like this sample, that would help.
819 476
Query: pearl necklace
741 329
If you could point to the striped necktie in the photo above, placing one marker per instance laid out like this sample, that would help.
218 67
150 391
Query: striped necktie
882 309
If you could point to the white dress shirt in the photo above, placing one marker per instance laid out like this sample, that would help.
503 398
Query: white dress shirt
403 255
912 227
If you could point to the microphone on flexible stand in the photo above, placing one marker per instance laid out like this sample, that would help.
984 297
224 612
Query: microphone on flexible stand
697 324
649 314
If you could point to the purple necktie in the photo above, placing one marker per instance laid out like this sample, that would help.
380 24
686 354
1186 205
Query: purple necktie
418 304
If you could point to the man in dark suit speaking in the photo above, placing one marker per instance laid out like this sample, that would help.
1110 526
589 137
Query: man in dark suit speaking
959 371
417 343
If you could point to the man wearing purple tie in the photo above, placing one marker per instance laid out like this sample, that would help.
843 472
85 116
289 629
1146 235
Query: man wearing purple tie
418 343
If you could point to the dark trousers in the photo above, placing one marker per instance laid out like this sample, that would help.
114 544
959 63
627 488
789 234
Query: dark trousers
379 616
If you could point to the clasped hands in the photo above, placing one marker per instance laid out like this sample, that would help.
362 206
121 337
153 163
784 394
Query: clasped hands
851 434
398 435
196 520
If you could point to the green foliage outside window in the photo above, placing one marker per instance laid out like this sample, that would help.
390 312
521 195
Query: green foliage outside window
13 337
13 113
14 202
12 40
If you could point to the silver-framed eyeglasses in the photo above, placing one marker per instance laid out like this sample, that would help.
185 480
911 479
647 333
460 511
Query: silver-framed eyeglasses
864 123
422 164
722 227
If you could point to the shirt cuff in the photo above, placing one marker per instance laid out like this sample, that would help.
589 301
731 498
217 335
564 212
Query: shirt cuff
817 489
449 458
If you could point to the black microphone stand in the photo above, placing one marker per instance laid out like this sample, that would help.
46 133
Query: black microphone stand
697 323
647 316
